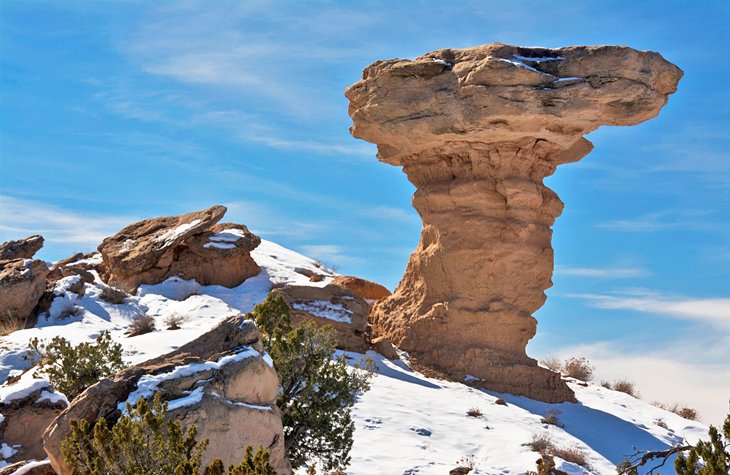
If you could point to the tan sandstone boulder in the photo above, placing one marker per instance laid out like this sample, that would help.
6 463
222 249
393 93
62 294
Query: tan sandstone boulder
22 283
331 305
476 131
21 249
364 288
222 382
190 246
27 408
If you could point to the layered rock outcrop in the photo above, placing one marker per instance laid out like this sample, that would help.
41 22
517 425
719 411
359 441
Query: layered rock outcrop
476 131
191 246
364 288
22 280
334 306
223 382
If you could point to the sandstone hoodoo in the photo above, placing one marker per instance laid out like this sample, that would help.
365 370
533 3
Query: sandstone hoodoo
476 131
191 246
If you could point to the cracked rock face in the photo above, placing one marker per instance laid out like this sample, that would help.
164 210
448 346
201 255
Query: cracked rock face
476 131
222 382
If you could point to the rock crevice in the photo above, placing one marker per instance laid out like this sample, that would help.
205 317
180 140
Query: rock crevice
476 131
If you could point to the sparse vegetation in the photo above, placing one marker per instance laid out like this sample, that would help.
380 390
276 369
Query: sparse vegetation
578 368
143 441
626 387
467 461
552 417
10 322
317 393
682 411
544 445
72 369
553 363
661 423
70 311
174 321
545 466
500 402
606 384
140 325
474 412
112 295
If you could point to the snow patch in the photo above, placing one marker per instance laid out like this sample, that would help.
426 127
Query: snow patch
172 234
52 397
325 309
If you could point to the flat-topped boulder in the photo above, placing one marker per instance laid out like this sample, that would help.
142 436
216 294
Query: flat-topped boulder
476 131
191 246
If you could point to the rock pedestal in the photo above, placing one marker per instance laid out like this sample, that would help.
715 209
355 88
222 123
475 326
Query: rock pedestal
476 131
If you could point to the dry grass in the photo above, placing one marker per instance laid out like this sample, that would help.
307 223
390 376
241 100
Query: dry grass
544 445
661 423
174 321
468 461
552 417
578 368
71 311
682 411
553 363
540 443
626 387
10 322
474 412
140 325
112 295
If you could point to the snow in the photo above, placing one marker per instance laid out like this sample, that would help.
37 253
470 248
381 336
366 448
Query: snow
426 420
94 260
7 451
27 262
63 285
441 61
172 234
219 245
325 309
195 396
228 235
537 59
27 385
30 466
570 79
52 397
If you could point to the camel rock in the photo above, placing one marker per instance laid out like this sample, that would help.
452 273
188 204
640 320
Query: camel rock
476 131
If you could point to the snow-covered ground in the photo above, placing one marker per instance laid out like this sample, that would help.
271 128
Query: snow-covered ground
407 423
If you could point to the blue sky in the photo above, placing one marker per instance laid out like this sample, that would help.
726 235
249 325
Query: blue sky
115 111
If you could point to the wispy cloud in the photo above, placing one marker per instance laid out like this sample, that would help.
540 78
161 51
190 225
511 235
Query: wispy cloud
602 272
19 217
329 253
664 220
713 311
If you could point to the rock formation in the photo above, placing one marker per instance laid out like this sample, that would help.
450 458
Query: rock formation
331 305
476 131
191 246
222 382
22 280
27 407
364 288
21 249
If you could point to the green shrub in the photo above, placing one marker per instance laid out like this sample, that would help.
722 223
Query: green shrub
317 391
144 442
72 369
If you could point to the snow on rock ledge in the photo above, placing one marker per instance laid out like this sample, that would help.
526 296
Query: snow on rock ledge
223 382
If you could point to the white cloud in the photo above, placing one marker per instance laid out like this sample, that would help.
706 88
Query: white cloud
663 220
19 218
714 311
602 273
329 253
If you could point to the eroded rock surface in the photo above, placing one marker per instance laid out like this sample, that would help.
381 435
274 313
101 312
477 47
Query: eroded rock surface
222 382
331 305
191 246
22 283
476 131
21 249
364 288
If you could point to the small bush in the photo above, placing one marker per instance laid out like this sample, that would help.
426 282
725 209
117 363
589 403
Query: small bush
571 454
174 321
144 442
71 311
552 417
318 390
606 384
545 466
10 322
626 387
500 402
540 443
72 369
661 423
687 413
474 412
553 363
578 368
140 325
112 295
